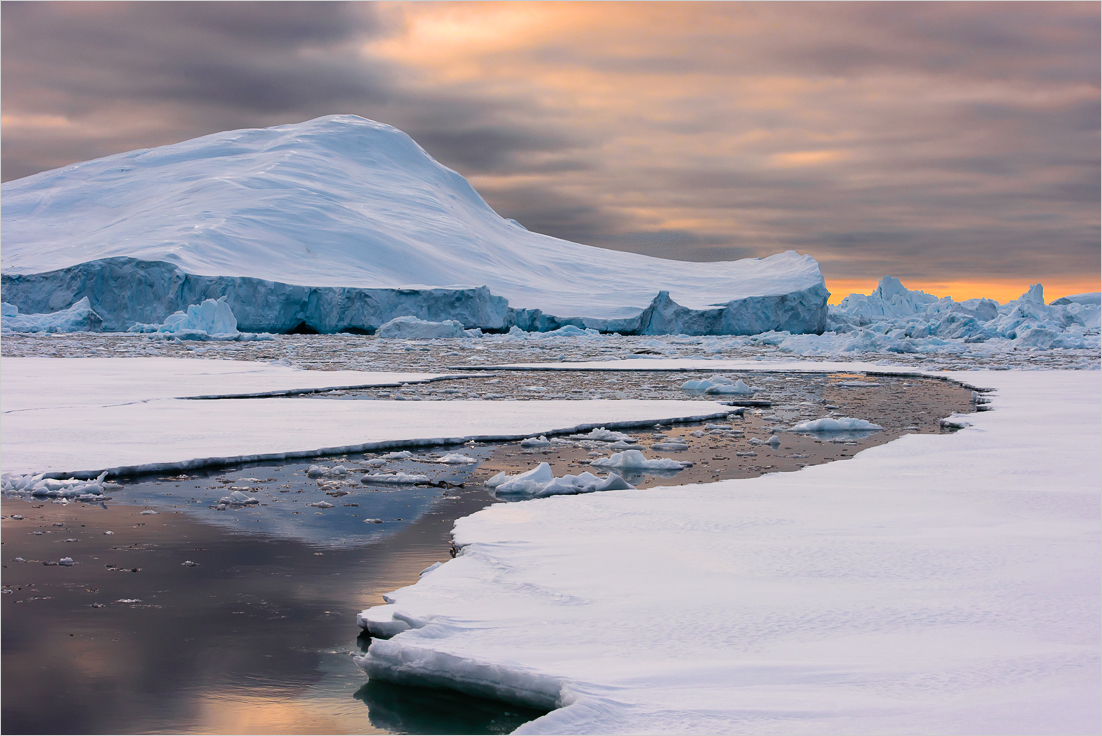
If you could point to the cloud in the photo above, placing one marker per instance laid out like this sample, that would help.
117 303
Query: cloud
911 138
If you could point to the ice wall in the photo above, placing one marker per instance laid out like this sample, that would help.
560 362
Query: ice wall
128 291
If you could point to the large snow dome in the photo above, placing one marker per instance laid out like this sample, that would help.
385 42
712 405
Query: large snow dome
344 223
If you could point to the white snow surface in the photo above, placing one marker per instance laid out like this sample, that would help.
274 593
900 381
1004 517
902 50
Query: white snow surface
935 584
341 201
85 415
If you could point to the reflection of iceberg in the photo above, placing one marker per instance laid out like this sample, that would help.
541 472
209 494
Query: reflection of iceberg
404 709
287 515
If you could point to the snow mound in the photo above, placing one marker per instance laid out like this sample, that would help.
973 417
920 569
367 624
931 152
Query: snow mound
540 482
78 318
344 223
835 424
636 460
413 328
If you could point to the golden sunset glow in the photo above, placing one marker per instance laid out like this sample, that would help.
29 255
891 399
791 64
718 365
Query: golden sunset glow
875 138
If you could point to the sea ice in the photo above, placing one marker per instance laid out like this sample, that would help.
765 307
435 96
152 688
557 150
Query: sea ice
540 482
835 424
938 583
636 460
394 478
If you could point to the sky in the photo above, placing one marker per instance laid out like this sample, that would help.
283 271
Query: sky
955 146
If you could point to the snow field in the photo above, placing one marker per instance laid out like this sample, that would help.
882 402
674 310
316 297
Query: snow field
82 416
936 584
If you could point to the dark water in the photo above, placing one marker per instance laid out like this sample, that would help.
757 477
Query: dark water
256 636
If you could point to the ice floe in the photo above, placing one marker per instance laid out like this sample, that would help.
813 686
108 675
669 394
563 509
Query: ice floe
411 327
540 482
636 460
937 583
835 424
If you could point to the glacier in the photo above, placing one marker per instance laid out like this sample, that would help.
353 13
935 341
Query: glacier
343 224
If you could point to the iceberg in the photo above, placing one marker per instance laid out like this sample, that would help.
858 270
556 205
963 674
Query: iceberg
343 224
411 327
78 318
211 319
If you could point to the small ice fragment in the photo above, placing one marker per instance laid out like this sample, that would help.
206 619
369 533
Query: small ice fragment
149 512
66 562
373 521
454 458
321 505
189 563
316 471
237 498
540 441
835 424
394 478
338 470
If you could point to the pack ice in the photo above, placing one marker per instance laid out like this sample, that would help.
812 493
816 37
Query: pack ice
897 319
341 223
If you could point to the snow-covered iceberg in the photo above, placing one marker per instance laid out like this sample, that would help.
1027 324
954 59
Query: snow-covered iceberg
341 223
78 318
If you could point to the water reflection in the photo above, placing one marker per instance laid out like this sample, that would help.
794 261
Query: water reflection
405 709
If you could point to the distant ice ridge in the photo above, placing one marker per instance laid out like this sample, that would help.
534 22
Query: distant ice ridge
894 313
78 318
342 223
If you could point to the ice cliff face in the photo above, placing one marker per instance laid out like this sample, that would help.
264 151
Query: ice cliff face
343 223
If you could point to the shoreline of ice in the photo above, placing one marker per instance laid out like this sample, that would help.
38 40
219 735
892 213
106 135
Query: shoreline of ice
863 584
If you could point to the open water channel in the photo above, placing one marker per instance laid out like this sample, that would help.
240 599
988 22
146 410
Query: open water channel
183 615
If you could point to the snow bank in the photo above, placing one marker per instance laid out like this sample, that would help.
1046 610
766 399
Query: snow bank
936 584
344 223
411 327
540 482
49 404
78 318
636 460
836 424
